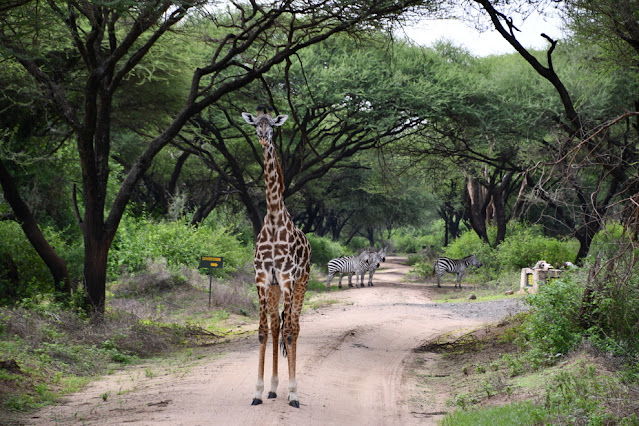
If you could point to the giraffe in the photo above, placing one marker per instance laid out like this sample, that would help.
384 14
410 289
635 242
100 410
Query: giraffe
282 264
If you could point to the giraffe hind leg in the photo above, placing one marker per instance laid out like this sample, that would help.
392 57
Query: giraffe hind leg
296 309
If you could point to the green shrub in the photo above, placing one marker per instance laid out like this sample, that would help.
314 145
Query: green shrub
611 309
583 394
358 244
525 246
409 241
423 269
469 243
552 327
181 244
607 241
414 259
324 249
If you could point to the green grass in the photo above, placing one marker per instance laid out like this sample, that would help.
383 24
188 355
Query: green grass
462 297
520 413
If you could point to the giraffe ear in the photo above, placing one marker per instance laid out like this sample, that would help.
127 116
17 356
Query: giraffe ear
250 119
279 120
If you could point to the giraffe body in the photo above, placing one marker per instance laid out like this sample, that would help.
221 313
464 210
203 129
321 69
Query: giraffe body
282 266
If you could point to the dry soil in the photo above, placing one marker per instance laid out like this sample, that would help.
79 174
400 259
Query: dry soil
352 367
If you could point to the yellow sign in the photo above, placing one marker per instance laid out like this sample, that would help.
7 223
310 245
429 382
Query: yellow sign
211 262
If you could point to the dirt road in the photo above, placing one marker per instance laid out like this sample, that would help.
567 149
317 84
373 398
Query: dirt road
352 369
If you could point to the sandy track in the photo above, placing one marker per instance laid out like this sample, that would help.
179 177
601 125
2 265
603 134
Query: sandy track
352 359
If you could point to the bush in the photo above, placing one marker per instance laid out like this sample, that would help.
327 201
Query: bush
423 269
469 243
552 328
324 249
607 241
406 241
525 246
181 244
611 305
357 244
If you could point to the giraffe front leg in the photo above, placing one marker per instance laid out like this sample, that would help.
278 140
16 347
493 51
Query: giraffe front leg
263 338
273 307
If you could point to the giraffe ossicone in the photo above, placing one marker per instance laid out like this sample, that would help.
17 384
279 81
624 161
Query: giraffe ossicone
282 265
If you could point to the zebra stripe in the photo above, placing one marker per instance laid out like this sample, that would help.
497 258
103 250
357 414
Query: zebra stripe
454 266
348 265
377 258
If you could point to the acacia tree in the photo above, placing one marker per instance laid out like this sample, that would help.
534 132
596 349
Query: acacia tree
610 154
344 98
104 42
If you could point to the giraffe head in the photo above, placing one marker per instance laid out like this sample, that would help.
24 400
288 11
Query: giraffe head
264 123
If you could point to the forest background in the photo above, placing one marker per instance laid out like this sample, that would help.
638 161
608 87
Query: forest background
122 145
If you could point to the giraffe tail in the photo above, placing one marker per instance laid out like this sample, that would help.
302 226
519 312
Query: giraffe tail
282 344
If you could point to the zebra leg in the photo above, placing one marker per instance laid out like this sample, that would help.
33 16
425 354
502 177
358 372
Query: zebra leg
370 278
438 280
339 284
458 280
328 281
350 280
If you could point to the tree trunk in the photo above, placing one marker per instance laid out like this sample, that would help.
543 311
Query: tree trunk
57 266
476 208
585 234
96 253
499 207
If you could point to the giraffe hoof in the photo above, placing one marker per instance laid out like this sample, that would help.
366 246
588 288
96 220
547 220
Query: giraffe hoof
295 404
272 395
256 401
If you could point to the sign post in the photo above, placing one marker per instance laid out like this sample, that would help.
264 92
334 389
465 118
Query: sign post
211 262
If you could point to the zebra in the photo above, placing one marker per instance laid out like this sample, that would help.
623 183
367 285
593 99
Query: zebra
378 258
454 266
348 265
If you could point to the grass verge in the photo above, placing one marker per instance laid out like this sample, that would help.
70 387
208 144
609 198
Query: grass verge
489 383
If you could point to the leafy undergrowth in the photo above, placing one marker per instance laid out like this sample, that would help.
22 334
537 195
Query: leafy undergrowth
47 351
488 382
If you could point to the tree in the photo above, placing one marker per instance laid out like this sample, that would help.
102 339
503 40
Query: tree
612 152
345 97
478 133
96 46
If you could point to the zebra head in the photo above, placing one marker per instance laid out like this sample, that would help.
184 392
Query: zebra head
472 260
382 254
373 258
365 257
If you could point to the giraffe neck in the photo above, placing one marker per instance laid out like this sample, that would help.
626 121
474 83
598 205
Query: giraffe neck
274 184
